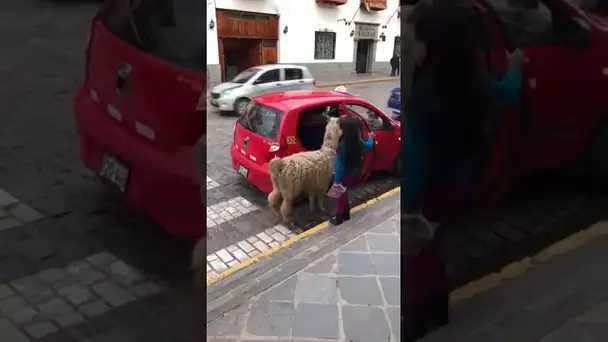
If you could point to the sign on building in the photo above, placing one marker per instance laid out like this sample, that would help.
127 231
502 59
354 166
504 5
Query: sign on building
366 31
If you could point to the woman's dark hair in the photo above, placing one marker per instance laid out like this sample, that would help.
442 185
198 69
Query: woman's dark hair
453 51
351 139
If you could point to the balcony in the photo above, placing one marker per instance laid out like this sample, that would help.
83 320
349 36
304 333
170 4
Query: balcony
373 5
331 2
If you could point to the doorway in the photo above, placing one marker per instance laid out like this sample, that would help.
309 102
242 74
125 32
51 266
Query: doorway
362 59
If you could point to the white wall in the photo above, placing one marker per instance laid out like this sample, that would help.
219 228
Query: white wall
303 18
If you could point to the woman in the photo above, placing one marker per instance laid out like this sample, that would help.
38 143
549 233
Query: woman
350 153
447 112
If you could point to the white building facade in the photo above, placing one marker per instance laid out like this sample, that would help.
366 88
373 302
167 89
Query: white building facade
336 41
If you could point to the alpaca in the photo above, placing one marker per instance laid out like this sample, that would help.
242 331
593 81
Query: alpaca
308 172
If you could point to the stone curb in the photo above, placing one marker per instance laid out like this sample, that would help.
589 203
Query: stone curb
345 83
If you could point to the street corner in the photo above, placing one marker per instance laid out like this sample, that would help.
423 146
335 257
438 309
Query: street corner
329 292
235 285
14 213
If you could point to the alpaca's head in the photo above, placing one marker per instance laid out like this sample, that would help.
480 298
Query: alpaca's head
332 134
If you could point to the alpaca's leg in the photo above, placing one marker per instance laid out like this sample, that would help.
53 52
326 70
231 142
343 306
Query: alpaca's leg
311 200
286 209
321 200
274 201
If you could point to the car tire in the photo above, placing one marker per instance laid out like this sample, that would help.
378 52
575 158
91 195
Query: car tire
240 105
597 166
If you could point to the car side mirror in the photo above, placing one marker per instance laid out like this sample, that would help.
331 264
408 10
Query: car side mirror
575 33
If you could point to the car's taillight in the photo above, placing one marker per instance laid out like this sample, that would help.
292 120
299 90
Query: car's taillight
276 147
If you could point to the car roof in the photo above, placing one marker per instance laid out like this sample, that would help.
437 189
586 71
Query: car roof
296 99
265 67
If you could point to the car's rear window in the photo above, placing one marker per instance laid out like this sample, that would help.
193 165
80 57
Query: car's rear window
173 30
261 120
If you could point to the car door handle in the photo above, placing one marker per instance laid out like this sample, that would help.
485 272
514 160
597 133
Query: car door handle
302 81
278 84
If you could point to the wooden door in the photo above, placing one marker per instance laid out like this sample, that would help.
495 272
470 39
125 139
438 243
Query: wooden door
220 49
269 52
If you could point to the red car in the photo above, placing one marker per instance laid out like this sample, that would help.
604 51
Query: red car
136 110
284 123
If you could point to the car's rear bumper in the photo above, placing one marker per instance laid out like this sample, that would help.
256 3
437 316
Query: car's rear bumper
162 185
258 175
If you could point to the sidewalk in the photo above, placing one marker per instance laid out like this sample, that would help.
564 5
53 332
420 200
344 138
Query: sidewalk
348 293
560 295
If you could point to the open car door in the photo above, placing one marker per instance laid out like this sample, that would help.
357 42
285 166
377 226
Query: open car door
370 155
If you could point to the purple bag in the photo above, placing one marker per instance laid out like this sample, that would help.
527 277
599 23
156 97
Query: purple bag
336 191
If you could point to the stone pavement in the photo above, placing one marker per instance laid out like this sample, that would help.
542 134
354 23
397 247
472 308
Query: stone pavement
351 293
563 299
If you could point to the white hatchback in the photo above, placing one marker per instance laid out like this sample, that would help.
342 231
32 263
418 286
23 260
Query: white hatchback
270 78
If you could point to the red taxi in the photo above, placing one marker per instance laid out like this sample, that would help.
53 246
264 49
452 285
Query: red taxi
136 110
284 123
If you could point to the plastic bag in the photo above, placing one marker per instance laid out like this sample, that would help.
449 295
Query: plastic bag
336 191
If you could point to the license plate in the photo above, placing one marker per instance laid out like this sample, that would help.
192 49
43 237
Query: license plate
243 171
114 171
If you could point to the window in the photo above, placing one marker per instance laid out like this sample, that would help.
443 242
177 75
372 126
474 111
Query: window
293 74
325 45
261 120
527 23
269 76
169 29
374 121
245 76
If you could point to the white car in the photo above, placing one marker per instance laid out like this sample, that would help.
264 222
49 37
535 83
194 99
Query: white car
270 78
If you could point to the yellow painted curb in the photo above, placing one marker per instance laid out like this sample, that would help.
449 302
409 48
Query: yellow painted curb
315 229
371 80
518 268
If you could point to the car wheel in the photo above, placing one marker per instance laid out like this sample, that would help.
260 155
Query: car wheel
598 158
240 105
397 166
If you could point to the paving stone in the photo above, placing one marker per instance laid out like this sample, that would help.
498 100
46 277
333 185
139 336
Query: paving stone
264 237
355 264
124 274
361 323
40 330
270 319
218 265
316 321
75 294
284 291
95 308
146 289
53 276
6 199
224 255
11 304
9 333
240 255
25 213
391 288
84 273
383 243
325 265
6 291
357 245
390 226
387 264
360 290
112 293
232 323
245 246
212 257
8 223
69 319
314 288
24 315
394 316
55 307
261 246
